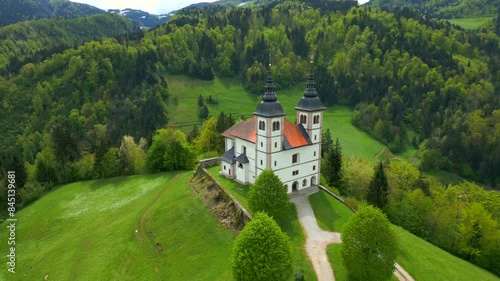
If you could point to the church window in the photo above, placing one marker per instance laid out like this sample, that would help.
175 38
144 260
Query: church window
262 125
261 144
314 168
275 145
316 119
224 167
276 126
260 162
303 119
244 149
315 137
314 153
295 158
274 163
294 173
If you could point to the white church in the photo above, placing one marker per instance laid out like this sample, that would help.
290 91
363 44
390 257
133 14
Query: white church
269 141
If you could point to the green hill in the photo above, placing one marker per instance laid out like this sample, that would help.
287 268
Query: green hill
421 259
12 11
446 9
150 227
35 40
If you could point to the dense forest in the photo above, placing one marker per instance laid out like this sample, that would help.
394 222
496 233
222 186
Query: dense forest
34 41
13 11
445 9
99 109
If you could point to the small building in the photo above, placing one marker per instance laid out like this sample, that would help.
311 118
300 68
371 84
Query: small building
269 141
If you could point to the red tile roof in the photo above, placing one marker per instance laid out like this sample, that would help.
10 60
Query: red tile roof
242 130
293 135
246 130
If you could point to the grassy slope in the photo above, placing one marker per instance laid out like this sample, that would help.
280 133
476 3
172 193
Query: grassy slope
471 23
421 259
233 98
291 227
87 231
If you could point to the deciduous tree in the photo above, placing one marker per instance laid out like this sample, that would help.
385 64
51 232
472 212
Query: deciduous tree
369 245
262 251
269 195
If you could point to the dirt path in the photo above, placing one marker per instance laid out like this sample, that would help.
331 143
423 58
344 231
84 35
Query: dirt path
318 239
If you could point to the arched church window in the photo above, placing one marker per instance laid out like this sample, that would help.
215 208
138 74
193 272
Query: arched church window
262 125
303 119
276 126
304 183
316 119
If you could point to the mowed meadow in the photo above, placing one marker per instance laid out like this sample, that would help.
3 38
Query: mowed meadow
234 99
150 227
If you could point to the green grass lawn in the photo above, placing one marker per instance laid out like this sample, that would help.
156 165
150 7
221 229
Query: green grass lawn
290 224
233 98
333 253
425 261
150 227
330 213
421 259
471 23
445 177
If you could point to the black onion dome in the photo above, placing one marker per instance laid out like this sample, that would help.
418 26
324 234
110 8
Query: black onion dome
270 106
310 101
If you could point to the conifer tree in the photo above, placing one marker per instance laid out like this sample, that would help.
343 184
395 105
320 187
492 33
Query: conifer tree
378 190
326 142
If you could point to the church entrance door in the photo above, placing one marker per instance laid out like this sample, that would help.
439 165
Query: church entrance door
295 186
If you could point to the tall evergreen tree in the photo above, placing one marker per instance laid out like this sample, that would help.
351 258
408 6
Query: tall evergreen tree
195 132
326 142
201 101
336 166
378 190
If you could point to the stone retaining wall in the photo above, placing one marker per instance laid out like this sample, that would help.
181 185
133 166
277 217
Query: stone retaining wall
205 163
335 196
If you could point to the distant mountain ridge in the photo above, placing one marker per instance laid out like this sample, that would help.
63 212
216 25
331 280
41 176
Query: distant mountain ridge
445 9
12 11
144 19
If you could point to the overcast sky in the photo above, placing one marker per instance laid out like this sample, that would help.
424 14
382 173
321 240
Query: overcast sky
150 6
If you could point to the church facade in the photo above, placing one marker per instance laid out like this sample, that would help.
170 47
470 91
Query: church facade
269 141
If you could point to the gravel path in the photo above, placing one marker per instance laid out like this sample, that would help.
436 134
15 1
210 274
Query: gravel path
318 239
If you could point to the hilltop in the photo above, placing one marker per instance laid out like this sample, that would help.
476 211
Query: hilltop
12 11
447 9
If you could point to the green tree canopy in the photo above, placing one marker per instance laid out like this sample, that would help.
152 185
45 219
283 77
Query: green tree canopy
170 151
369 246
269 195
262 251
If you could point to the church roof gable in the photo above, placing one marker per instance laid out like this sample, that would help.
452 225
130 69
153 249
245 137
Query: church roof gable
294 135
243 130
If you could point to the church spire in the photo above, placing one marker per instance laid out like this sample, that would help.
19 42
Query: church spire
269 106
310 101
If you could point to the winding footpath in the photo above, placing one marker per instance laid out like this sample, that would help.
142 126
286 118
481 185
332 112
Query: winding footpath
318 239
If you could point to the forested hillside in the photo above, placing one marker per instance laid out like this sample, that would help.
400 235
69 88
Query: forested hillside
446 9
34 41
99 110
12 11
